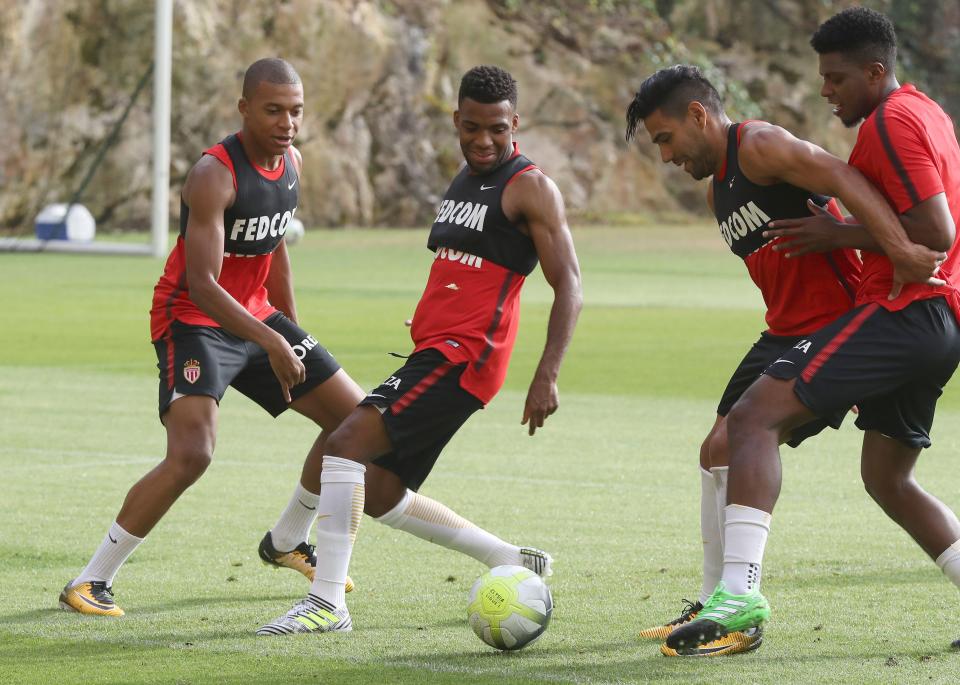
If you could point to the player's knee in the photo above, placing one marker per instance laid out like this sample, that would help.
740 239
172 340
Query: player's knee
188 465
741 420
886 488
705 453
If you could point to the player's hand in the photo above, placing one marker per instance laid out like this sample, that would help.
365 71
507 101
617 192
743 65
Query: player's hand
286 366
806 235
543 398
916 264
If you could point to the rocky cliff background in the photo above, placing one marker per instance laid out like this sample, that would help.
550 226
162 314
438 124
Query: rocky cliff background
381 80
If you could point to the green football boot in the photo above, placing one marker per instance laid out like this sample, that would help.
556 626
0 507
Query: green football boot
723 613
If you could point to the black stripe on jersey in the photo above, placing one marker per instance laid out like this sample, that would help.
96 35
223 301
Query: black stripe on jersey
497 315
181 286
839 274
894 159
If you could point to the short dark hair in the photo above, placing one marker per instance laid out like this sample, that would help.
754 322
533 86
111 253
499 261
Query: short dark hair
672 90
488 84
271 70
860 32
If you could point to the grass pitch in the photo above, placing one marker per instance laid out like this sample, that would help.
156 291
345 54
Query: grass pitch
610 487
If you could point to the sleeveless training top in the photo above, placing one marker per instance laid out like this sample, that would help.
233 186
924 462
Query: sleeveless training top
801 294
470 307
253 226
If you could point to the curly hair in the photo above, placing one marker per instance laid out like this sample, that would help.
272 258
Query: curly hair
672 90
860 32
488 84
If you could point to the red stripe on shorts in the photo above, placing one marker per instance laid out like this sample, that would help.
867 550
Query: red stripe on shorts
169 342
823 355
425 383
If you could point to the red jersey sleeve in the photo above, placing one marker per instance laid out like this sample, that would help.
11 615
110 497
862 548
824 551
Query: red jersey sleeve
901 160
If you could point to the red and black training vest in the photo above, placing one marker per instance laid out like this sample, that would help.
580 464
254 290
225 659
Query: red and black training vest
470 307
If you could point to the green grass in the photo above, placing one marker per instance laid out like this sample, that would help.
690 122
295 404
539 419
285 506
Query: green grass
610 486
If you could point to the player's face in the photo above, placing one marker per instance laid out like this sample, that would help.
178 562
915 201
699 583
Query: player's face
486 133
272 116
681 141
850 87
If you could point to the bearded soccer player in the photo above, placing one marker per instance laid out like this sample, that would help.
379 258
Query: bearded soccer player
499 217
891 355
685 118
224 314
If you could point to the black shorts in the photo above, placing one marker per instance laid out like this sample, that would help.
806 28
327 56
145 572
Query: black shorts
204 360
764 352
892 365
422 405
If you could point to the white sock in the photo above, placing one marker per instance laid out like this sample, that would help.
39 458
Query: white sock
293 527
744 537
711 533
109 557
340 508
949 563
436 523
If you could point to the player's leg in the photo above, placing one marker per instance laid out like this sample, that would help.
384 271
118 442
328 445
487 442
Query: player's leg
286 543
360 438
711 531
191 435
326 397
196 364
423 406
393 504
756 426
887 469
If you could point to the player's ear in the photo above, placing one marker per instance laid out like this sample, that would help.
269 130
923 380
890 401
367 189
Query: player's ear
698 113
243 106
456 119
515 124
875 72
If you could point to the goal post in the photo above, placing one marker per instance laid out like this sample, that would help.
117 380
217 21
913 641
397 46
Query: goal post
160 194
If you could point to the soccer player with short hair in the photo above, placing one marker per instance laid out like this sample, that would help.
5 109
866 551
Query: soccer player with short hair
891 355
684 116
224 315
500 217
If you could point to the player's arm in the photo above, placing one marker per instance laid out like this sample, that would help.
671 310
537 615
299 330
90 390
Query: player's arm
279 283
819 232
537 199
770 154
208 191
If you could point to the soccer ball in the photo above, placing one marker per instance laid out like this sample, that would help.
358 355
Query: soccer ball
510 607
294 232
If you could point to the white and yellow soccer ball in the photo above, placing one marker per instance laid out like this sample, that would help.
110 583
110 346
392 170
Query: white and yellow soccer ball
509 607
294 232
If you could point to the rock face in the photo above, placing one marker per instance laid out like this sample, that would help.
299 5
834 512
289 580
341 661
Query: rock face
381 78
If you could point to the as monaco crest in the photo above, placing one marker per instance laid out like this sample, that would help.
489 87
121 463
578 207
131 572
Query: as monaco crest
191 370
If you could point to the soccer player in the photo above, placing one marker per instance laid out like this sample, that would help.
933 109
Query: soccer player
499 217
224 314
891 355
684 116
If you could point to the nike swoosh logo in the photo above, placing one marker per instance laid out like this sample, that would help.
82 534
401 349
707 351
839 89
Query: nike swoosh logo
290 187
376 394
111 538
324 516
483 187
784 361
305 506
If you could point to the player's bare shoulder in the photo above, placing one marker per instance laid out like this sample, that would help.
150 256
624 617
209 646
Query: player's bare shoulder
767 151
758 138
209 180
297 160
531 196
